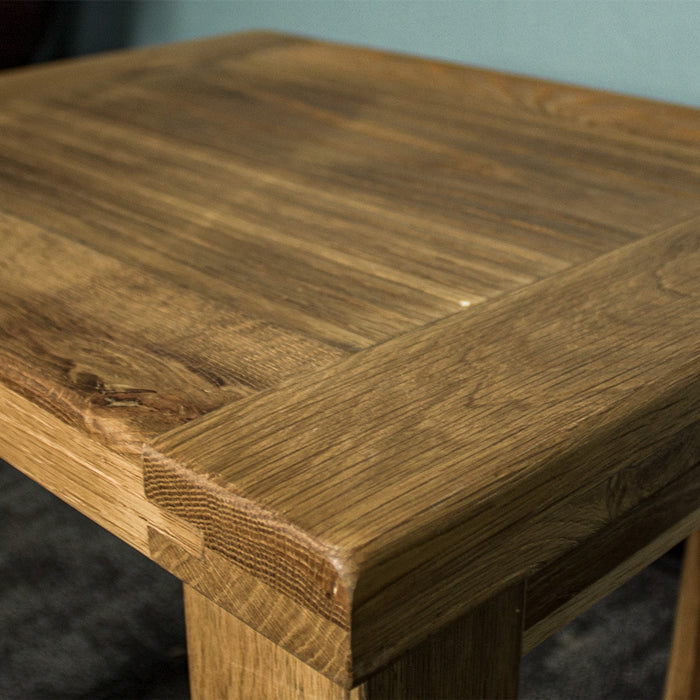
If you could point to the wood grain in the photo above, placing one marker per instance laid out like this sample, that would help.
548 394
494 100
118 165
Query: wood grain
381 476
569 585
683 675
105 486
262 205
622 524
320 643
122 372
477 656
396 334
230 661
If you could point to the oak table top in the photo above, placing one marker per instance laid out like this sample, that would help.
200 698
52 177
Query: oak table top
350 341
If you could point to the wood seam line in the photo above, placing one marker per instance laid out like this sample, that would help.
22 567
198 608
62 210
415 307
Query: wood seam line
322 562
262 517
339 364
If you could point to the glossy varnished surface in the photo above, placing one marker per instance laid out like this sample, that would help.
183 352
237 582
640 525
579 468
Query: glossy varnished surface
396 334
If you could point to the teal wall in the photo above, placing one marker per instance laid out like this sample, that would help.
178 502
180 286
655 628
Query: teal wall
643 47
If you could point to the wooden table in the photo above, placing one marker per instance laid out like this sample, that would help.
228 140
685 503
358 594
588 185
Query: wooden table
395 364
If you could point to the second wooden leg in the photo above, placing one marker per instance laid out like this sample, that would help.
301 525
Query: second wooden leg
683 675
477 656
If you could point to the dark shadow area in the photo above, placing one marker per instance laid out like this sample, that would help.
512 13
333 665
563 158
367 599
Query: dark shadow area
23 28
82 615
34 31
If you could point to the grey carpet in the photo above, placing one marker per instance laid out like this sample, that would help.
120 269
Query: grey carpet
84 616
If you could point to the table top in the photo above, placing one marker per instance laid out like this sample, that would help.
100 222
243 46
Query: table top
376 336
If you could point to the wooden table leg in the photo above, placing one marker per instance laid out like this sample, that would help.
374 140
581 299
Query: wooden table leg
478 656
230 660
683 675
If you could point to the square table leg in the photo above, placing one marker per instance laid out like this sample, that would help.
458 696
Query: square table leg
477 656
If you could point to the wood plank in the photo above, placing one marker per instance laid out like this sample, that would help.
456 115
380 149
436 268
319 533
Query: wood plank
646 506
123 372
683 674
383 476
